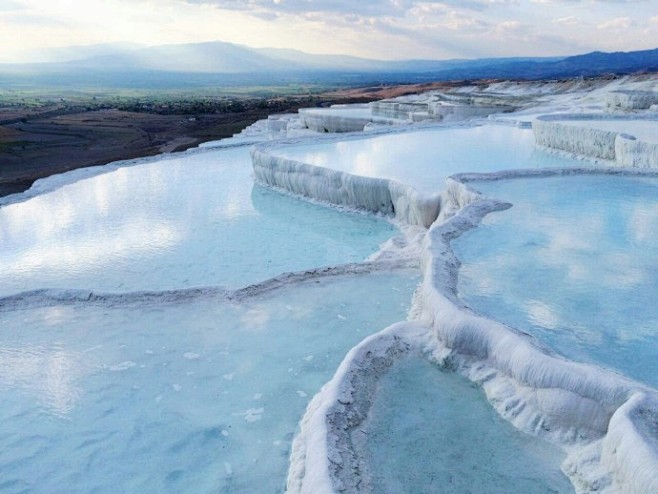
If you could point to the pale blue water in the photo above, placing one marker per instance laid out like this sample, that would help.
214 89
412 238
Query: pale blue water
424 159
194 396
194 220
431 431
574 262
205 395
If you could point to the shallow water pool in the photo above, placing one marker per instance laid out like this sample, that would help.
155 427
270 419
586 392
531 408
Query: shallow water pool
192 396
432 431
574 262
193 220
423 159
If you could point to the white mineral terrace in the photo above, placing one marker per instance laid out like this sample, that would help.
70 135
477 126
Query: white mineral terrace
644 130
397 172
604 422
625 141
607 424
337 118
631 100
357 117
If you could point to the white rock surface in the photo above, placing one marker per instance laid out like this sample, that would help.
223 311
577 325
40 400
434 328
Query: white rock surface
335 119
586 141
377 195
633 152
607 424
626 142
630 100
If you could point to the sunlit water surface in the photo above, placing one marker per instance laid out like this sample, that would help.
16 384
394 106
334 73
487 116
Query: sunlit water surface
423 159
574 262
194 220
193 396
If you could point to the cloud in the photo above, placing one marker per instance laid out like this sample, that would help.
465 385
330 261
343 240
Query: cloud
26 19
567 21
616 24
9 6
426 17
374 8
511 29
369 28
457 21
509 26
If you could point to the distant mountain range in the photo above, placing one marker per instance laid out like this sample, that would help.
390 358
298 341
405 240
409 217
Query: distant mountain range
229 59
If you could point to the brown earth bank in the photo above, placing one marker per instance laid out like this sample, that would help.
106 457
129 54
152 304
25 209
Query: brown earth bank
60 136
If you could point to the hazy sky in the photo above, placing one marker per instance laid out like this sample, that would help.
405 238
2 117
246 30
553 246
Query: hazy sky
385 29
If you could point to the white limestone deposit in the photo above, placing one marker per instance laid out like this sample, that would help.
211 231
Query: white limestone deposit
322 460
496 100
625 141
376 195
630 151
403 108
586 141
338 118
450 112
396 111
607 424
396 172
630 100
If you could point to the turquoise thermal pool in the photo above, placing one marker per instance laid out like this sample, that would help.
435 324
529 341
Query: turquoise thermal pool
424 159
573 262
444 437
199 395
145 385
193 220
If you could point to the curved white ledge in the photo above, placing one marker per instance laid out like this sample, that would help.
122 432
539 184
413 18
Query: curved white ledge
630 151
49 296
630 448
376 195
322 459
351 118
608 424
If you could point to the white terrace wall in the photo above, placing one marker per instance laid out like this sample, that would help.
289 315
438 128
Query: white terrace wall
585 141
630 100
380 196
621 148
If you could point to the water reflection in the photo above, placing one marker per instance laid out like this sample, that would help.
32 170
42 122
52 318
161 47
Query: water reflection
49 374
421 439
175 223
574 261
160 398
423 159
